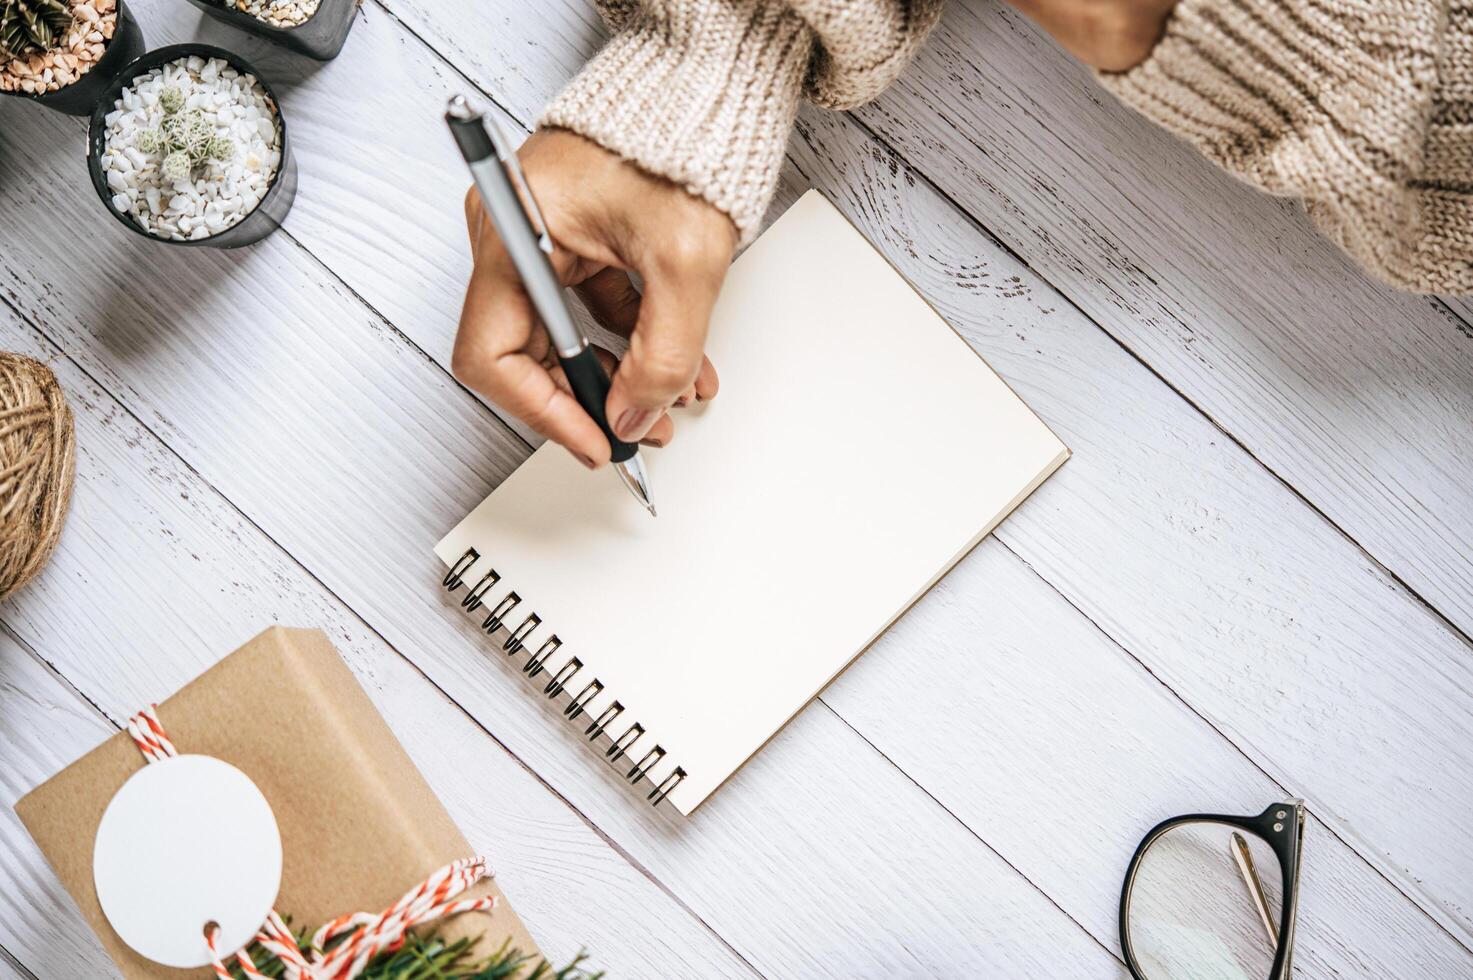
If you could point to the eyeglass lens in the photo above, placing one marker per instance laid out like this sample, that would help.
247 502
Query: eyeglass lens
1204 905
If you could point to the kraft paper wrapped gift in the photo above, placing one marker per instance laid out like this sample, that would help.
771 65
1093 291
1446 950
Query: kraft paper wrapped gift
359 825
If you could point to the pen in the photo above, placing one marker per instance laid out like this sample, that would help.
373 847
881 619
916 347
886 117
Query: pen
514 212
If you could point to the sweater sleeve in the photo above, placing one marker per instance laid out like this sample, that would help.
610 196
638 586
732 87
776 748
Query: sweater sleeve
704 92
1357 108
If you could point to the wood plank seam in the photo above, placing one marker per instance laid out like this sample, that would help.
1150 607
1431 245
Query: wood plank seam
51 668
388 324
1124 346
1099 195
1361 851
980 839
21 970
1324 820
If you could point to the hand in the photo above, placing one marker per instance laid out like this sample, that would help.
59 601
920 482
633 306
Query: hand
1111 35
607 218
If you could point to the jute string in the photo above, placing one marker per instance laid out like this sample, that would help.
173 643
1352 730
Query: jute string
37 464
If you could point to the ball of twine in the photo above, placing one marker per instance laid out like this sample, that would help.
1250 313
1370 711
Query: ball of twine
37 464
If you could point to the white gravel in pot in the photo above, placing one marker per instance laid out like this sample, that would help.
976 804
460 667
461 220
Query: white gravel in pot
230 128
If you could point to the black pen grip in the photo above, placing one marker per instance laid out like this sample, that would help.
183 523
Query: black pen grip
591 387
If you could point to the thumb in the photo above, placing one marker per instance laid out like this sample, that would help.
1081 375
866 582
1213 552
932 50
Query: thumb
666 350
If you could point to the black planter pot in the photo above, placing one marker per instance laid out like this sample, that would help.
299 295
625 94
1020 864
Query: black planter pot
321 37
79 98
273 207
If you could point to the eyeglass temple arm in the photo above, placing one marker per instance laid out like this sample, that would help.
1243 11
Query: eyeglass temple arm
1244 858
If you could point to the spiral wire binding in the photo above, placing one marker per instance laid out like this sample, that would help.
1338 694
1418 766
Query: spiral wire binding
562 680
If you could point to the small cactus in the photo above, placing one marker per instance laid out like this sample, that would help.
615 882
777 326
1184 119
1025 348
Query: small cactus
176 166
171 99
29 26
184 139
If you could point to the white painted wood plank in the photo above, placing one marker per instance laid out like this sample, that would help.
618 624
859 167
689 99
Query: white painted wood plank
821 859
1358 396
158 577
1252 596
1062 753
43 726
1189 555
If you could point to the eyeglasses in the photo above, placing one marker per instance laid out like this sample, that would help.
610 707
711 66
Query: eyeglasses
1209 897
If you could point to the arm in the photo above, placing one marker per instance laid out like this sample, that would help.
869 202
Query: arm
1353 107
659 158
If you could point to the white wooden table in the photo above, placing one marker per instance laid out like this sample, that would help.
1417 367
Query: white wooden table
1253 580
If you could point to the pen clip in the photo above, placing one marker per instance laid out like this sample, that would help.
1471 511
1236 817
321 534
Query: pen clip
508 159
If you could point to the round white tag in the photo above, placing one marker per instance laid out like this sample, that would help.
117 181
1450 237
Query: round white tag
187 841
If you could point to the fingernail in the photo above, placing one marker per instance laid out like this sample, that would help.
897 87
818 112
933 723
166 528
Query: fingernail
633 422
586 461
656 443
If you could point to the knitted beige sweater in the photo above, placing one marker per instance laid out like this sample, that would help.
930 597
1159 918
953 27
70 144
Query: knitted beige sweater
1362 108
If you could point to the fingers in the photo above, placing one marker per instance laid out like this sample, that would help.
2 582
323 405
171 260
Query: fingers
660 433
614 302
497 351
707 384
665 349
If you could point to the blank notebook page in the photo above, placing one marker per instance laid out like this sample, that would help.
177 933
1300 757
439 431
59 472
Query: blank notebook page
857 450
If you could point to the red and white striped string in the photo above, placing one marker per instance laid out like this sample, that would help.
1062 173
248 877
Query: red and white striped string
150 736
367 935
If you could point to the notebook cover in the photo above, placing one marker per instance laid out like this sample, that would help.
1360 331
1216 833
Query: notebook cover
359 824
858 448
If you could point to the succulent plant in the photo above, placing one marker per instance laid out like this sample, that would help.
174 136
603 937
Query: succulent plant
184 138
28 26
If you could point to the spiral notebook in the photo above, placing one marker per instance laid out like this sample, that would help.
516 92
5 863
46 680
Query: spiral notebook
857 450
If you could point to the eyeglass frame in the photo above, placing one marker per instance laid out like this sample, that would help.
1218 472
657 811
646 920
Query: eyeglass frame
1284 834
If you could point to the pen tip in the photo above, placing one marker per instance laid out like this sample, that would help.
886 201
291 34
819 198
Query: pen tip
631 472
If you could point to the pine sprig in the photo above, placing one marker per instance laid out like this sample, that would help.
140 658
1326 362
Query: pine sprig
431 958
